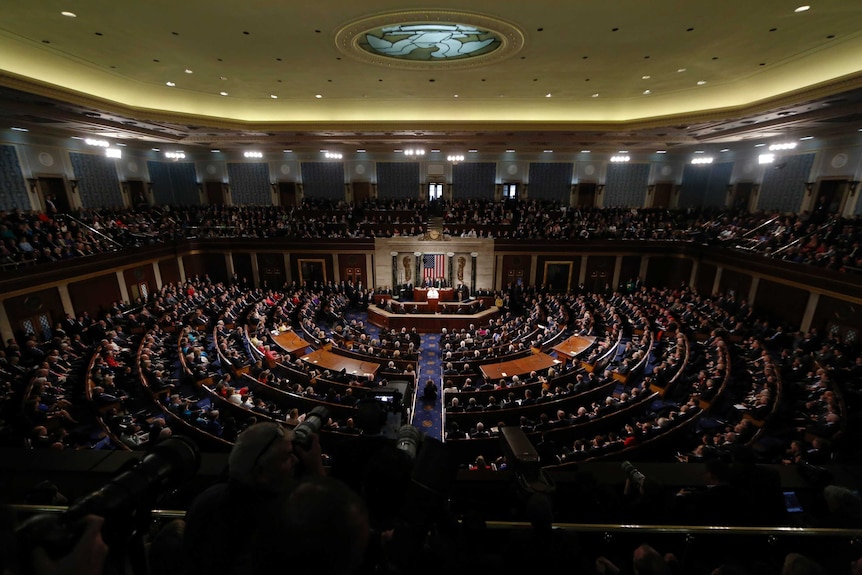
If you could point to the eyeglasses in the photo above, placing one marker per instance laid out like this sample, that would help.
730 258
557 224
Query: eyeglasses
279 433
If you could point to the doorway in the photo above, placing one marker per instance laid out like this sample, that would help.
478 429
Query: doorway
54 188
742 195
137 193
831 196
586 195
661 195
215 193
361 192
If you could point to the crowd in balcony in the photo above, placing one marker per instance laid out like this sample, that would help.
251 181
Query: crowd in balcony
818 239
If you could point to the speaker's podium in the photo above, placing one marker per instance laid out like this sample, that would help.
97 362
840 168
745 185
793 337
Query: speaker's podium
433 299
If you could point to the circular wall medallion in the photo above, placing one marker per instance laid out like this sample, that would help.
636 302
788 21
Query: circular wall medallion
589 170
360 169
429 39
285 169
133 167
46 159
512 169
839 160
666 170
211 170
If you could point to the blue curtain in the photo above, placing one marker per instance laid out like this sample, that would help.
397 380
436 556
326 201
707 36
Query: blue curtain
626 185
784 183
474 180
397 179
97 178
705 185
174 183
323 180
551 181
249 183
13 190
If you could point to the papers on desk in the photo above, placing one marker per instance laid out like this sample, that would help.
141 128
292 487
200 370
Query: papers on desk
504 374
740 407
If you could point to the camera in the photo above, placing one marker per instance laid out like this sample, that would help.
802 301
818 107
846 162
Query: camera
633 474
168 465
312 424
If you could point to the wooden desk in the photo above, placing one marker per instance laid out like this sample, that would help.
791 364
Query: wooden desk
575 345
537 362
333 362
427 322
289 342
446 294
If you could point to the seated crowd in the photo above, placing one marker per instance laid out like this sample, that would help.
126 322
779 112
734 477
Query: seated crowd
825 240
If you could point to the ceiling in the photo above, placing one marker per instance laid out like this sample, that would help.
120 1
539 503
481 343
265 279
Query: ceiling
570 76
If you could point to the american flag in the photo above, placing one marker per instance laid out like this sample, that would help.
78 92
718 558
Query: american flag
433 266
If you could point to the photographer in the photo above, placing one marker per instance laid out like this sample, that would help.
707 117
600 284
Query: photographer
262 468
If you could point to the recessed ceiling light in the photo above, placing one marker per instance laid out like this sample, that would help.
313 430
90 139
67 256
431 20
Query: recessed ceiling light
585 151
156 149
215 151
273 96
548 151
701 82
398 151
661 151
803 9
596 95
69 14
681 69
548 95
222 78
510 151
360 151
287 151
222 93
806 138
435 151
171 84
17 129
120 144
188 71
647 92
759 145
698 152
646 77
455 96
318 96
623 152
474 151
77 138
724 150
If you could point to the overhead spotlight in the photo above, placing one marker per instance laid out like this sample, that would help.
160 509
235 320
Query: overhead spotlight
585 151
69 14
17 129
723 150
782 146
414 152
455 158
765 158
189 71
661 151
701 82
619 159
97 143
222 93
114 153
175 155
805 8
332 155
700 160
802 139
510 151
273 96
252 154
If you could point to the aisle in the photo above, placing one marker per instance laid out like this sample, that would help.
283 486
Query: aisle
428 416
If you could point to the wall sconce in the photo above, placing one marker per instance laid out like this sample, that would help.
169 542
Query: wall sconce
600 188
74 184
650 190
852 188
200 188
274 187
124 187
809 187
34 184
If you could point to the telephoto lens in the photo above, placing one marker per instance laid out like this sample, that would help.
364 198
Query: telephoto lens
314 421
